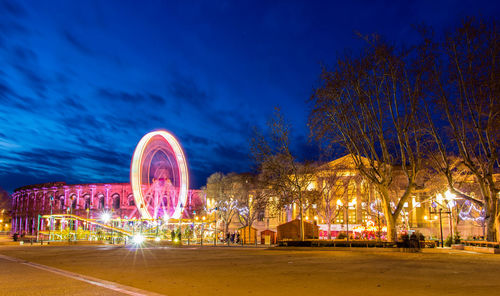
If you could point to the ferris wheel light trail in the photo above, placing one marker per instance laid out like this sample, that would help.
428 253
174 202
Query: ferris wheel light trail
137 168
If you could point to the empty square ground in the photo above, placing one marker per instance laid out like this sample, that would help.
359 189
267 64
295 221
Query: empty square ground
253 271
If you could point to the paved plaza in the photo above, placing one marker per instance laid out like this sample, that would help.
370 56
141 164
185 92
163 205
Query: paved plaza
40 270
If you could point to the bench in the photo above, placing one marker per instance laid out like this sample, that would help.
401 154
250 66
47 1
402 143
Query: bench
482 247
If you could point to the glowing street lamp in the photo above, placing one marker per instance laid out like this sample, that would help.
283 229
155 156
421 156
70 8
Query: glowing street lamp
138 239
440 199
105 217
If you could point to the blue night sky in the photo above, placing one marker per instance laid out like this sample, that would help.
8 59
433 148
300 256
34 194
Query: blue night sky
82 81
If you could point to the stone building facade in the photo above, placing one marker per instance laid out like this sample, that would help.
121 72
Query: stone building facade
84 200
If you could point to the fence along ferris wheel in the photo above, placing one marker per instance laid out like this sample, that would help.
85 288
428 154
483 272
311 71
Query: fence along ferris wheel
159 176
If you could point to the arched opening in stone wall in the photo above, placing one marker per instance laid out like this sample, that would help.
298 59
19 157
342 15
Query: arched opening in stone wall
101 201
87 200
61 202
116 201
74 200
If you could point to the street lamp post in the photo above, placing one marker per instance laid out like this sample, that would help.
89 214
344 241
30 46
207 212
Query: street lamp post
440 212
448 200
215 228
347 221
202 230
51 219
72 222
38 226
441 226
180 225
346 216
69 224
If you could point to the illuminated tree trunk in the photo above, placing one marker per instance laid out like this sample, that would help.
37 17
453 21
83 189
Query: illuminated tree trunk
390 220
302 236
492 225
497 227
391 228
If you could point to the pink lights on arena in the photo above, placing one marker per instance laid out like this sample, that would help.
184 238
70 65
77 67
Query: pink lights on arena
159 176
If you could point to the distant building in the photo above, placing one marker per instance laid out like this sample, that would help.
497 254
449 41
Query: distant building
84 200
357 206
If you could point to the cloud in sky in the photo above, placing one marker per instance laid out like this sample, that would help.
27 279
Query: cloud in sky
82 82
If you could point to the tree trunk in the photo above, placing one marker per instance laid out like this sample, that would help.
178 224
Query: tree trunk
302 236
497 227
329 230
492 225
226 229
390 219
491 229
495 215
391 228
455 224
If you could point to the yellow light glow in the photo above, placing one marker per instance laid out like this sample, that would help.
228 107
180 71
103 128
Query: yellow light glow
435 217
425 217
138 239
449 195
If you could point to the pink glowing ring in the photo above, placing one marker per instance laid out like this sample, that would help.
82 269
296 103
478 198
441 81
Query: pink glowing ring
159 176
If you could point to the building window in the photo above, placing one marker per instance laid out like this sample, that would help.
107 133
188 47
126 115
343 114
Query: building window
86 197
61 203
116 201
101 202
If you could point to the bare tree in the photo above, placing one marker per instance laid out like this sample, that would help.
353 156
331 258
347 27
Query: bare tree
222 189
5 200
252 198
333 185
289 181
463 80
368 104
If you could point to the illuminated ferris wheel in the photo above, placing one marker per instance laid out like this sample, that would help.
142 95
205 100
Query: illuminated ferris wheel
159 176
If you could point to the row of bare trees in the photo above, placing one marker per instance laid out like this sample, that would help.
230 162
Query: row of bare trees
392 106
310 187
239 196
407 117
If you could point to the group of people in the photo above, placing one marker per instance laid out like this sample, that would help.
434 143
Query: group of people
233 238
16 236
